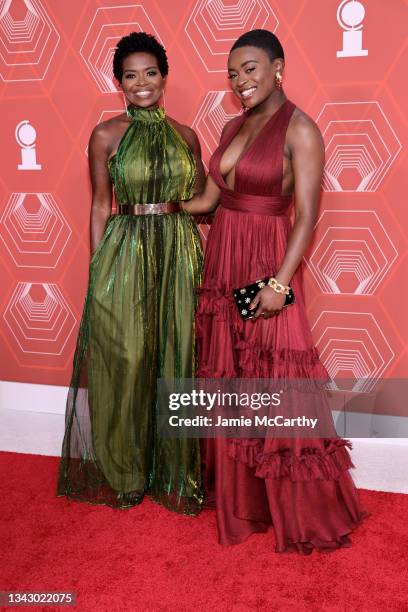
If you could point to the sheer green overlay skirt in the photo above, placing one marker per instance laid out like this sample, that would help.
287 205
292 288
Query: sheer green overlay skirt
137 326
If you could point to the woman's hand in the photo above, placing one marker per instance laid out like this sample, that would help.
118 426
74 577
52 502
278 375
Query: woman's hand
268 302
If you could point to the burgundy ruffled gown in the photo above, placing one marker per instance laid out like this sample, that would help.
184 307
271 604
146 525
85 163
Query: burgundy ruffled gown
300 486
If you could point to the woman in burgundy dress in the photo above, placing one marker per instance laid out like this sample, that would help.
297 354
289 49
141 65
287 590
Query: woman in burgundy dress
269 155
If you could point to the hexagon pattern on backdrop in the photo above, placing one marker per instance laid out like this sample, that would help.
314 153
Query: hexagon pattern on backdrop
55 65
28 40
39 320
360 145
214 25
34 230
353 243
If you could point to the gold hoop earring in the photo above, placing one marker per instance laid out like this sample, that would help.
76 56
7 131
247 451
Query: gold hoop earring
278 80
126 105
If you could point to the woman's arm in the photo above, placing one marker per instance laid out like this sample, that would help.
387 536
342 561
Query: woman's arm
98 151
190 137
204 202
307 149
206 193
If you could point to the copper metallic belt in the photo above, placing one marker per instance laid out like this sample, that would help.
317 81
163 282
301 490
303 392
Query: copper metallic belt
148 209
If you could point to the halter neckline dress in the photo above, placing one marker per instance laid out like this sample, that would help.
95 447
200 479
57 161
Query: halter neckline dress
137 326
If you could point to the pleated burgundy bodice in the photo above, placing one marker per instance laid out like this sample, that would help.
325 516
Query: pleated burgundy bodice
259 170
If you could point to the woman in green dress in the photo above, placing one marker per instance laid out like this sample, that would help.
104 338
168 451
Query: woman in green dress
138 319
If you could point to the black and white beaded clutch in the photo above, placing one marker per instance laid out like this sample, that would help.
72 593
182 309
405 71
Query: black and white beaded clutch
244 296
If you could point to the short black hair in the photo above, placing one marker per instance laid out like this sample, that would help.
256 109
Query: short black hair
139 42
263 39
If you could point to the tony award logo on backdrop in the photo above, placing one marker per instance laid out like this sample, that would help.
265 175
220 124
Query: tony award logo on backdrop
26 137
350 16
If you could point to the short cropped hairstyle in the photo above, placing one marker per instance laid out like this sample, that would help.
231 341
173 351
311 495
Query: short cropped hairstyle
139 42
262 39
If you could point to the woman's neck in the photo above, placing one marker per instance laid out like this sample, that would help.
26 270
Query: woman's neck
271 104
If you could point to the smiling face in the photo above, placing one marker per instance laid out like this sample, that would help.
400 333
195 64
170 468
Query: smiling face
142 82
252 74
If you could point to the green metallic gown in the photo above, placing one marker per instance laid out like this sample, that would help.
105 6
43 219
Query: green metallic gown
137 326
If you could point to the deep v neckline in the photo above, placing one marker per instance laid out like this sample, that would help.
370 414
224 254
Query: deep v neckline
245 151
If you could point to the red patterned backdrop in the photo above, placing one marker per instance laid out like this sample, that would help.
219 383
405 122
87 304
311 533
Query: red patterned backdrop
345 68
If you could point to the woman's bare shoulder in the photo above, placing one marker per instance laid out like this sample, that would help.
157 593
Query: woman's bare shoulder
106 134
111 126
303 129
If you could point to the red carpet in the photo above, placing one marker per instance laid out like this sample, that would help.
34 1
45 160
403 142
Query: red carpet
148 559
